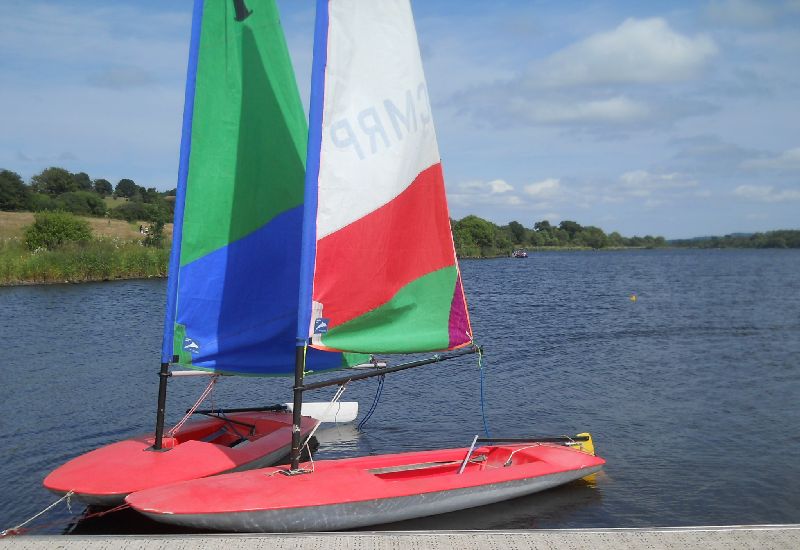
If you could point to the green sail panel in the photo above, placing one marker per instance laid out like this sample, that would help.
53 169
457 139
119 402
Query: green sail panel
249 130
419 311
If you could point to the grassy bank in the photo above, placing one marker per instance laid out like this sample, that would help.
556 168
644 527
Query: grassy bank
98 260
115 252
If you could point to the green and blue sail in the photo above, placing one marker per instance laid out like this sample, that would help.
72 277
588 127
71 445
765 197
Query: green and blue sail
234 267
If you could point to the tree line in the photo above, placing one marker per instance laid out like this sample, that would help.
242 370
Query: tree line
57 189
784 238
476 237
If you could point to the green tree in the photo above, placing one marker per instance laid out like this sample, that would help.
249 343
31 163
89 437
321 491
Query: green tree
82 203
39 202
54 181
480 231
502 241
150 195
465 245
593 237
52 229
133 211
126 188
103 187
82 181
559 237
572 228
537 238
518 232
14 194
615 239
543 225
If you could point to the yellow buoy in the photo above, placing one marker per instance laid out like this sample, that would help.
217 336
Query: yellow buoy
633 297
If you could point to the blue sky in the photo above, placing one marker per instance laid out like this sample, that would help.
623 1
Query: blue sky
664 118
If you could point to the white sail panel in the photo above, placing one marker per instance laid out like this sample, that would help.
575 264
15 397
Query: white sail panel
373 129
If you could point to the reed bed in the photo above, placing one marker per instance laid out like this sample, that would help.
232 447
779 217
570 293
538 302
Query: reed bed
100 259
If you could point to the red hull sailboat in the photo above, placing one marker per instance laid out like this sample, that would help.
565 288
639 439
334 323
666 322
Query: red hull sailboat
105 476
374 190
357 492
233 275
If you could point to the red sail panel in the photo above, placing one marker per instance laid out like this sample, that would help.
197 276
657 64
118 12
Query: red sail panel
367 262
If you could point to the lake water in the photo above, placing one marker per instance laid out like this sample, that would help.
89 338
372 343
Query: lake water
691 392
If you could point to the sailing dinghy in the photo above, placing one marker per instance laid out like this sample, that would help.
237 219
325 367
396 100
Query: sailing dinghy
234 266
378 275
357 492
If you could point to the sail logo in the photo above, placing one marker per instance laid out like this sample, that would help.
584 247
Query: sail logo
191 346
320 325
381 127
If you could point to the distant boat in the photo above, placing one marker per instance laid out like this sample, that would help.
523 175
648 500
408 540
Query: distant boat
519 253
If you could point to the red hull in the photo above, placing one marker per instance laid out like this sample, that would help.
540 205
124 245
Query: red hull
202 448
354 492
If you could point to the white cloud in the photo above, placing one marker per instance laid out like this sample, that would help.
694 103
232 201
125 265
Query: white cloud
786 161
618 109
547 189
766 193
500 186
641 183
610 81
477 192
485 187
637 51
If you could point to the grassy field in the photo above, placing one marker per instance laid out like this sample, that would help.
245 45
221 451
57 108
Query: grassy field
12 224
116 252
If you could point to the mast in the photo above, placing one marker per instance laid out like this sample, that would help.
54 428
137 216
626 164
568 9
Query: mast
379 190
180 199
297 414
309 235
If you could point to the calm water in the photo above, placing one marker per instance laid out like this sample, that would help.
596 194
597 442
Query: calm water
691 392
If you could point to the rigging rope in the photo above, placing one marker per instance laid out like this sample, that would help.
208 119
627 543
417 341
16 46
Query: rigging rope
374 405
483 405
206 393
335 399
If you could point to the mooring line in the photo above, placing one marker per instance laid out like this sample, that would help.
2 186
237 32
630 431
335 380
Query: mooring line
15 530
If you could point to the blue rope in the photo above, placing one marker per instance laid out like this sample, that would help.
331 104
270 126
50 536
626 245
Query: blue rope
483 406
374 403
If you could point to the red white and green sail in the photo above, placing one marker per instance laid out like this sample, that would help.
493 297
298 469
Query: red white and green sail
379 268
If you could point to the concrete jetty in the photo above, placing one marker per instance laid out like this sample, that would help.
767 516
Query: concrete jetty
762 537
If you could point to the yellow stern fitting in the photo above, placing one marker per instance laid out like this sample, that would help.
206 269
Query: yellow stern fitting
583 446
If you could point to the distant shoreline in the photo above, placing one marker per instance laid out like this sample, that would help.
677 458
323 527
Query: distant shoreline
158 266
81 281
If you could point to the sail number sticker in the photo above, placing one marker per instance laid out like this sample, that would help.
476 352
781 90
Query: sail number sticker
190 346
320 325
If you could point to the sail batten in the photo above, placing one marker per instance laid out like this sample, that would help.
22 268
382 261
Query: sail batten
381 274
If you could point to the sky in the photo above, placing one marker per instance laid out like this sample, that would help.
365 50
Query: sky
678 119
